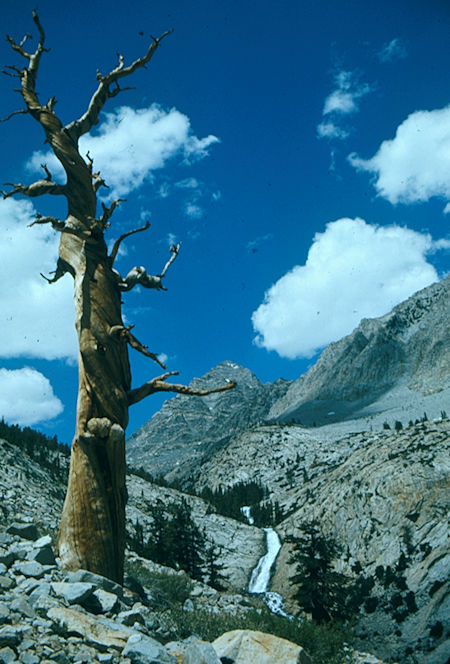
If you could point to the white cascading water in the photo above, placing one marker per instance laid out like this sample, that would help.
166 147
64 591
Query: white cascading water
261 574
260 578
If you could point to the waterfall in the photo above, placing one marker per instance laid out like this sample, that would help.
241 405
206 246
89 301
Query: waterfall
261 574
260 578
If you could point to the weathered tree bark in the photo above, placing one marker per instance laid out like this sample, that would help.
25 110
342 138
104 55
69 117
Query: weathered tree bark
92 529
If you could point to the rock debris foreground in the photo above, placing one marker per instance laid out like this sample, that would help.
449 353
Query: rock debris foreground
48 615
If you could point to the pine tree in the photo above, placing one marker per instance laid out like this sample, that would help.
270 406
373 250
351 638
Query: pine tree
320 590
213 569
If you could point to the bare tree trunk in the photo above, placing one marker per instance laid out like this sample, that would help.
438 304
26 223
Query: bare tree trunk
92 529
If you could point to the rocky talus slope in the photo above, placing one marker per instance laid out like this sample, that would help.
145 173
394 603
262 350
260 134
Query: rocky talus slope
385 497
188 429
49 615
393 364
30 493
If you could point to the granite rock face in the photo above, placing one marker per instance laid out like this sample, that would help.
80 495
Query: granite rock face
383 495
187 429
385 363
239 544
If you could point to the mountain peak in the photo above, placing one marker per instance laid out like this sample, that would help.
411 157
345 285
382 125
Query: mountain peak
399 358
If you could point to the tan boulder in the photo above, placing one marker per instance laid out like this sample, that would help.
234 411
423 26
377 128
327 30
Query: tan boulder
244 646
90 628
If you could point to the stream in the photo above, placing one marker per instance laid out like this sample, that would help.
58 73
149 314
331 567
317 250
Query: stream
260 578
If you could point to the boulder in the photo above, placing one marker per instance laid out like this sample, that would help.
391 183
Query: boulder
42 552
90 629
134 615
101 601
84 576
73 593
30 568
10 635
200 653
244 646
7 656
145 650
26 531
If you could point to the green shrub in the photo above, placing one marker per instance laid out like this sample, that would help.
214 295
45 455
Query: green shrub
168 589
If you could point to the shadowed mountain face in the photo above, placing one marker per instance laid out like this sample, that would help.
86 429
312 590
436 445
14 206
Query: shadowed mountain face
394 367
384 363
188 428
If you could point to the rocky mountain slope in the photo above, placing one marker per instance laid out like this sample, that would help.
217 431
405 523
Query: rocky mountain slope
187 429
49 615
395 367
384 496
394 364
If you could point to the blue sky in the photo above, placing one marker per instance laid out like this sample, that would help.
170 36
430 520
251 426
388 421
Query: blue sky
299 151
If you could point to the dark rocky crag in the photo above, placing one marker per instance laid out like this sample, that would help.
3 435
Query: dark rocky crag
189 429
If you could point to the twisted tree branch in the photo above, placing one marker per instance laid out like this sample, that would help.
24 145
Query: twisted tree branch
38 188
158 384
22 111
125 333
90 118
138 275
71 226
115 249
107 211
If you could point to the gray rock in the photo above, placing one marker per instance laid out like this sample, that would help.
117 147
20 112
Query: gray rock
44 603
26 644
27 586
61 658
20 605
4 612
10 635
6 558
73 593
200 653
6 583
100 601
134 615
84 576
42 554
7 656
29 568
145 650
105 658
41 589
91 629
26 531
29 658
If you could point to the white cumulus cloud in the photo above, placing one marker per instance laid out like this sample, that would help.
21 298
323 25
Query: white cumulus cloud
413 166
36 318
354 270
130 144
26 397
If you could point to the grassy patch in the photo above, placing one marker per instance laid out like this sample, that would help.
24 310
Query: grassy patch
324 643
167 589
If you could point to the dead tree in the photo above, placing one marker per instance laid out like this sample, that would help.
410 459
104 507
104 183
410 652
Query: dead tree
92 528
